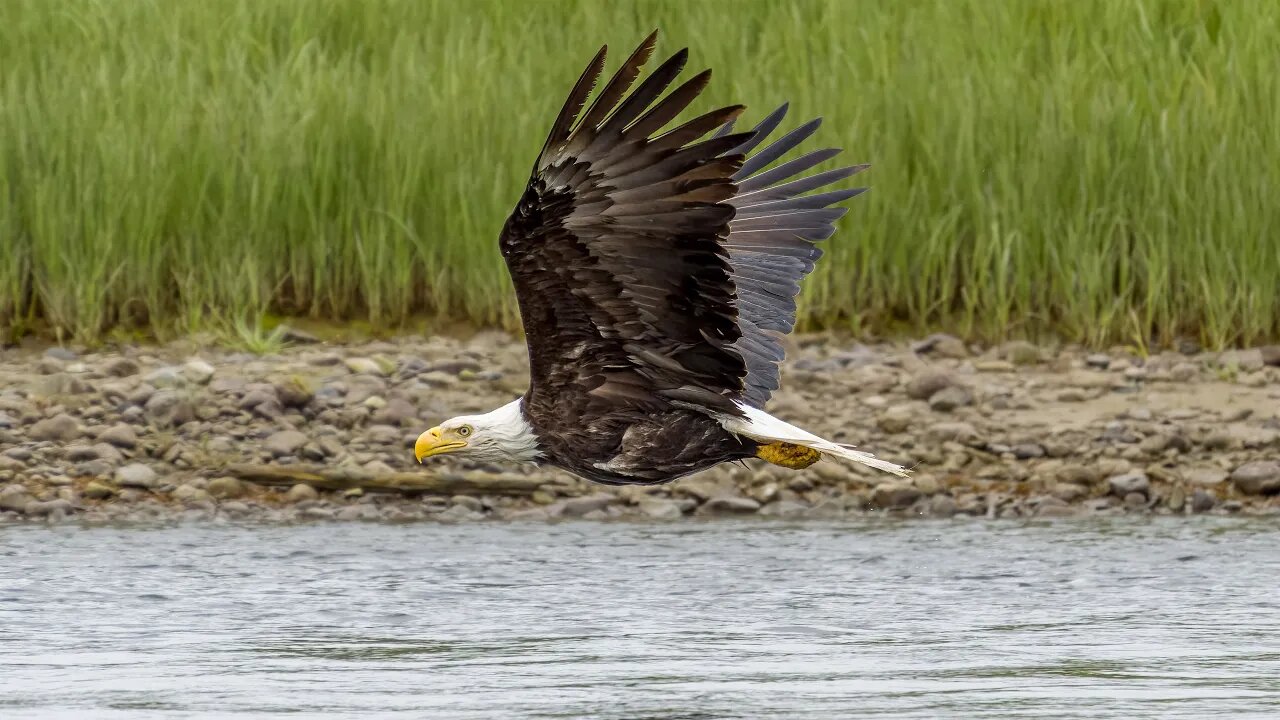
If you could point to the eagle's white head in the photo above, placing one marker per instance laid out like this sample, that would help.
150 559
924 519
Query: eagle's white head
499 435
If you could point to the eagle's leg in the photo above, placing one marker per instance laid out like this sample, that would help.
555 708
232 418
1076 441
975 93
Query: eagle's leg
796 457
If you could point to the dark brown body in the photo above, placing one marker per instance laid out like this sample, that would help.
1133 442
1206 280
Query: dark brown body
633 447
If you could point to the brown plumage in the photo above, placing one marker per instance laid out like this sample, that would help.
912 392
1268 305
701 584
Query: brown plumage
656 272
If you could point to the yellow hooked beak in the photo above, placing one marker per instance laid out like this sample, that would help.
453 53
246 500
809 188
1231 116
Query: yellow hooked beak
431 443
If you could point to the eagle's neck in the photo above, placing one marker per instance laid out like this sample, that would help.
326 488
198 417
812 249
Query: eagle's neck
512 433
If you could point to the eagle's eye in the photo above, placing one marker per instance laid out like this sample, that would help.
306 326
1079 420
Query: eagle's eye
464 431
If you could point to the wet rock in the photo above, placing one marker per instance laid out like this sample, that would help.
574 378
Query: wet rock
459 513
284 442
198 371
226 488
730 505
1177 499
15 498
1131 482
167 408
301 492
895 495
119 435
1257 478
96 490
137 475
950 398
59 428
1202 501
925 385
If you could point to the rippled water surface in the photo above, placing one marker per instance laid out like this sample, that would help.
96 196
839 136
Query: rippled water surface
1125 619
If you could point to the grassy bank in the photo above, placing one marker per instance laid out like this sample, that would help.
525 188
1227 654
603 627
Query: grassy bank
1103 171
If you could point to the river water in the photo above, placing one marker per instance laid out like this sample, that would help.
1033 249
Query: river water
1122 618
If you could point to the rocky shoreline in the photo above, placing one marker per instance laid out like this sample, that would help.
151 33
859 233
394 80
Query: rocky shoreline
155 434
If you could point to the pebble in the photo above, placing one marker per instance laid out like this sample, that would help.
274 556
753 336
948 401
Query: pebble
660 509
950 398
1021 352
926 385
137 475
1006 438
1257 478
1098 361
96 490
119 435
730 504
301 492
198 371
942 345
285 442
122 367
15 497
942 506
225 488
360 365
167 408
1133 483
579 506
190 495
60 428
961 432
895 495
1202 501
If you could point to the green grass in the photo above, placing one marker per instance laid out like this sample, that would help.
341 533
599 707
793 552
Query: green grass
1100 171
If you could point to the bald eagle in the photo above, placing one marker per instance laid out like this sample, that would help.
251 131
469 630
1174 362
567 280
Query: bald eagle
656 274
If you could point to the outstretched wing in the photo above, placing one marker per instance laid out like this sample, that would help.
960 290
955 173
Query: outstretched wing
617 247
772 241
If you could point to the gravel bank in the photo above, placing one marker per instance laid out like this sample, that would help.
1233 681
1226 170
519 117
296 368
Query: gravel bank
147 433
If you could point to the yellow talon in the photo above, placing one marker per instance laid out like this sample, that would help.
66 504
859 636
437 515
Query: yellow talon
796 457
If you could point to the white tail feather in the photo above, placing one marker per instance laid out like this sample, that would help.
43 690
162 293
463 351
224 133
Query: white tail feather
760 425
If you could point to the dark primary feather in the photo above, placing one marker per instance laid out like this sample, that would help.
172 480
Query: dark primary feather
655 270
772 246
